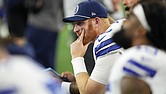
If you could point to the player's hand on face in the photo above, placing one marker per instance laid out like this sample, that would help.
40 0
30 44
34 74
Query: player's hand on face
69 76
77 48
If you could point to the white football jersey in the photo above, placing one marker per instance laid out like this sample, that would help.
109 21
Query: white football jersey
105 51
145 62
20 75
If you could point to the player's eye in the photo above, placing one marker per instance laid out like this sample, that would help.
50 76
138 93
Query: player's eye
80 23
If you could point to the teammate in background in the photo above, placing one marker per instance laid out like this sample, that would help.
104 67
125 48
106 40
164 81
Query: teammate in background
129 4
1 9
141 69
92 25
16 12
43 30
19 74
114 8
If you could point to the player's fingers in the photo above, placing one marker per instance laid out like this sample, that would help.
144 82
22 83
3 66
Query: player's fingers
64 74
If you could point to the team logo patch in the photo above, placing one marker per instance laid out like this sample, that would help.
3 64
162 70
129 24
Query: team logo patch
93 13
76 9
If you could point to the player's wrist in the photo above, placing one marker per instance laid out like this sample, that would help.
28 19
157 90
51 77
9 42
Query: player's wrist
65 86
78 65
74 88
76 56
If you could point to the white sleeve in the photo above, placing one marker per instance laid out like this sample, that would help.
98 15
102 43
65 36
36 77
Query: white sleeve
65 86
26 77
102 68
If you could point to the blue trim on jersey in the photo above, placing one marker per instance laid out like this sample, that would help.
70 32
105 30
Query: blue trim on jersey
108 88
131 72
109 31
8 91
102 44
107 50
101 38
151 72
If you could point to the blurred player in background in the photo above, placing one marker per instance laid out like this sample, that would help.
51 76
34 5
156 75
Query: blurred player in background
43 30
92 25
141 69
1 9
19 74
115 8
129 4
16 14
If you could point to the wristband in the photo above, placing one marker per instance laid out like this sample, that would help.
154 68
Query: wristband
78 65
66 87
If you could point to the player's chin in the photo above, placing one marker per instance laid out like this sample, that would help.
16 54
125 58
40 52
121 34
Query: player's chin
84 43
87 42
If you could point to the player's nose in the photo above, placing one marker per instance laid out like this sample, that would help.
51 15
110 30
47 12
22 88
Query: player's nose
125 2
76 29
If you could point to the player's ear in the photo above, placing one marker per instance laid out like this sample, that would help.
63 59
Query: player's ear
96 22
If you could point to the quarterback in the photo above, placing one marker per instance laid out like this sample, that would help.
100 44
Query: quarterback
93 26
